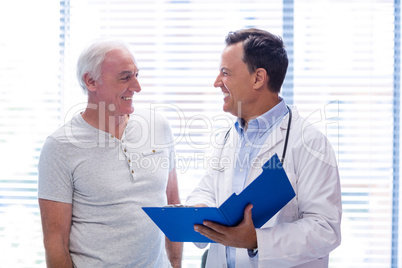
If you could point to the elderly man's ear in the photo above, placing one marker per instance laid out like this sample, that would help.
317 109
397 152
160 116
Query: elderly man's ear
90 82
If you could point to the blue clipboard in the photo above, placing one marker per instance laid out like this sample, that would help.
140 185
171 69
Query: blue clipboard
268 193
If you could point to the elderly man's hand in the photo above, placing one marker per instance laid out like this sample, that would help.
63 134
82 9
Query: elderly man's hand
240 236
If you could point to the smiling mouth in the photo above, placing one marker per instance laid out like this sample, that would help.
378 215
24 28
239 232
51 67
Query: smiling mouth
127 98
225 95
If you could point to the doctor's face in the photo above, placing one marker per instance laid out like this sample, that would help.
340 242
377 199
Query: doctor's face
235 81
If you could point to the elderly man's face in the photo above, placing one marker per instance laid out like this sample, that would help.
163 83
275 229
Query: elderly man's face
118 83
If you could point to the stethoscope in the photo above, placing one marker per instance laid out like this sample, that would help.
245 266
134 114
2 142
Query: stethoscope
284 147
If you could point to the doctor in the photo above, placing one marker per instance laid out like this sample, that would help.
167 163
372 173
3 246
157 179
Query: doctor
303 233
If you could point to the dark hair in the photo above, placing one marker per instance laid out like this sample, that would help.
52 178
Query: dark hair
262 50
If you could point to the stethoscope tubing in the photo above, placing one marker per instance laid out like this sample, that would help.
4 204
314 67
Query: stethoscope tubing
287 135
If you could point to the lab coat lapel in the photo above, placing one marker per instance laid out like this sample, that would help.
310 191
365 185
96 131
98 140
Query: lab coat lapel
227 161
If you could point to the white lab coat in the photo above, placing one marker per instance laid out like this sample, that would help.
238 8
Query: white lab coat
307 229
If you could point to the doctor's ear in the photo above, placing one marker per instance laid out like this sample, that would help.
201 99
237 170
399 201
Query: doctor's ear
261 78
90 82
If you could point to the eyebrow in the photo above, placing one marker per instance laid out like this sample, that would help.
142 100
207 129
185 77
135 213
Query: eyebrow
123 73
224 69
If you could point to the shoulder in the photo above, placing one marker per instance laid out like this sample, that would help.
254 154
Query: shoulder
61 134
309 141
304 129
73 132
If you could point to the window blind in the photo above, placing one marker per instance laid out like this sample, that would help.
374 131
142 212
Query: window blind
343 82
342 79
29 111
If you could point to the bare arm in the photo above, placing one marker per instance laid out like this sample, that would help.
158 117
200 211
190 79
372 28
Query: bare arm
174 249
56 225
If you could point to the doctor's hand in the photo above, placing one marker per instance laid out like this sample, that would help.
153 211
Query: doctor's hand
240 236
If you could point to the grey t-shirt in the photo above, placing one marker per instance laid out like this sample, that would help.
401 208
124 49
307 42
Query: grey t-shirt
107 181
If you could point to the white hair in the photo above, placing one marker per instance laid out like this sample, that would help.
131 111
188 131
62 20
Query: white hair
92 57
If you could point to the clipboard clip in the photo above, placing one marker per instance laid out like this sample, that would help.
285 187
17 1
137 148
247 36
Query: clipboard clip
177 206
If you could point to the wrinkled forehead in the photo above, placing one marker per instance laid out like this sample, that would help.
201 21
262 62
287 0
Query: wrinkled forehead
118 61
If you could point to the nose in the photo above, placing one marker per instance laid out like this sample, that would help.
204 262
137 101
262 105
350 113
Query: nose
218 81
135 85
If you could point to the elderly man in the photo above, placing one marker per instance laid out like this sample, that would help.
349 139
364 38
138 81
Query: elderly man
99 169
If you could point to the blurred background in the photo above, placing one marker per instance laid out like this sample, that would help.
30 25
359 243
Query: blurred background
344 76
